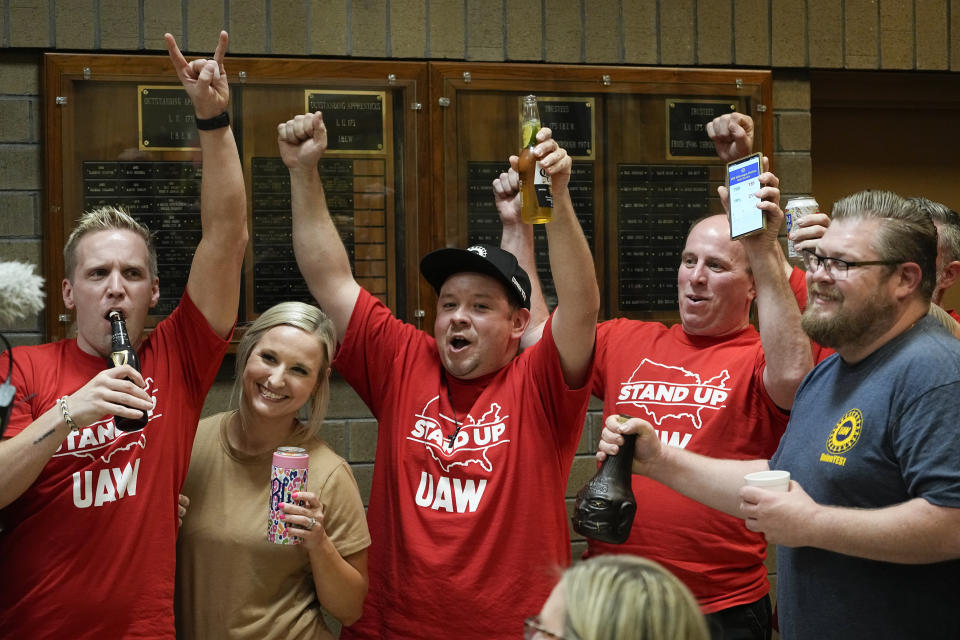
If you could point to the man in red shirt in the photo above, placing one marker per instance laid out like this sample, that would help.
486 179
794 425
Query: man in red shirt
89 511
475 441
710 383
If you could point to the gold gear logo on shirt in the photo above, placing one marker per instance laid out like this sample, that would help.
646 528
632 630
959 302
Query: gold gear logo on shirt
846 433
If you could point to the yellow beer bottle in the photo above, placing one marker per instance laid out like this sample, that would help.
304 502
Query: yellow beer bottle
536 200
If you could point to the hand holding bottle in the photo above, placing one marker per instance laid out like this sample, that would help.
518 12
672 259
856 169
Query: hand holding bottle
122 353
542 164
646 449
113 391
606 505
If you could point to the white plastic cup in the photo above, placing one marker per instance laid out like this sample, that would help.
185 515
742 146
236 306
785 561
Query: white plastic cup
777 480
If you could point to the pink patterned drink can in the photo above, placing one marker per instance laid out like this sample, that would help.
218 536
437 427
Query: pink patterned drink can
289 475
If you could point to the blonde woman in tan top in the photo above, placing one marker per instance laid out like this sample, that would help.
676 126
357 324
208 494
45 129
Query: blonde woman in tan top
232 582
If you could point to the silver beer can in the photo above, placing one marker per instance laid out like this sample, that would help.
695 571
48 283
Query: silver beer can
795 211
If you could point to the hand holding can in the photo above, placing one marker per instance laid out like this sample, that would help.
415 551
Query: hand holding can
290 465
796 210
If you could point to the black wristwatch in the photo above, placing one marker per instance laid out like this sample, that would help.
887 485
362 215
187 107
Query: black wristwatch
216 122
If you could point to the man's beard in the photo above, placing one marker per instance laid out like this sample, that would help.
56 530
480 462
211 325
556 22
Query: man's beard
848 327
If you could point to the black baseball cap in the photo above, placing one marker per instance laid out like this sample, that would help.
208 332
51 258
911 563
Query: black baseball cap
439 265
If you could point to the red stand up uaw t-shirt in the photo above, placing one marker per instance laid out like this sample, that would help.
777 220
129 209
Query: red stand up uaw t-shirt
467 539
89 550
704 394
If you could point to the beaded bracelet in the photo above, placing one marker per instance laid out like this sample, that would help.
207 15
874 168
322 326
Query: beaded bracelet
62 403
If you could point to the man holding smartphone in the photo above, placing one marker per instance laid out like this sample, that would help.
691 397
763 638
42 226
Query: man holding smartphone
711 383
867 532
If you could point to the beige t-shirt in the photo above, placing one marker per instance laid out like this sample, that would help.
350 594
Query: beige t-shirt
232 582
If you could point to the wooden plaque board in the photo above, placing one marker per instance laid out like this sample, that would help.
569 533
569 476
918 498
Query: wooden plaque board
645 178
399 187
118 132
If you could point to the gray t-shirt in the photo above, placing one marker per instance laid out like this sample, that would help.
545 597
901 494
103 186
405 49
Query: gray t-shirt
877 433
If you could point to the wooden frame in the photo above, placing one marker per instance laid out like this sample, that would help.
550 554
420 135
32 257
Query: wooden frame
424 166
474 100
88 114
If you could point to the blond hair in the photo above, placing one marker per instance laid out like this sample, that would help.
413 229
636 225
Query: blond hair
615 597
106 219
307 318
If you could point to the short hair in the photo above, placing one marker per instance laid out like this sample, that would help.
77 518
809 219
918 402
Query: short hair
620 596
948 235
106 219
906 233
307 318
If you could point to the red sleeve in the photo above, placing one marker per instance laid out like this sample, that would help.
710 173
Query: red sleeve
560 402
185 342
376 348
798 283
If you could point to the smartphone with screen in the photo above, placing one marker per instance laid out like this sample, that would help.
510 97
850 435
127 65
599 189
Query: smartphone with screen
743 181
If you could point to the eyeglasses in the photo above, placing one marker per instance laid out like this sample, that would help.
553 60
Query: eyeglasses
837 268
532 626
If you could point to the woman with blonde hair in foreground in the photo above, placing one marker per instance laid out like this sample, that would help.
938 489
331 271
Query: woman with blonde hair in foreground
615 597
231 581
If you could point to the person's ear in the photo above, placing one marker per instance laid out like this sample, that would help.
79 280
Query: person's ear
66 290
949 275
519 321
155 293
909 277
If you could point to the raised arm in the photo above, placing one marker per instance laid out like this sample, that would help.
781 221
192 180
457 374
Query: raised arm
786 347
732 135
517 238
571 264
214 281
810 228
320 253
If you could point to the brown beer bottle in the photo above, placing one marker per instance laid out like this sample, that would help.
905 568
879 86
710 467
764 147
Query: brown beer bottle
605 505
122 352
536 201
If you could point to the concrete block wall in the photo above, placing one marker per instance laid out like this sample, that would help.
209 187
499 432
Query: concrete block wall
21 175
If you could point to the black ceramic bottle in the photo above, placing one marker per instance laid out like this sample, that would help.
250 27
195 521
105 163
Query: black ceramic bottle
606 506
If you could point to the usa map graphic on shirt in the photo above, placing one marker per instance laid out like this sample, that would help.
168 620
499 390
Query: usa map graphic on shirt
471 443
658 392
